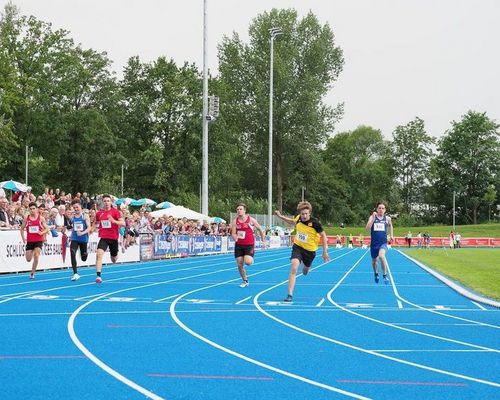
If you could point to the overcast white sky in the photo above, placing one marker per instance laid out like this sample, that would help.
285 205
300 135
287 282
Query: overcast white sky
435 59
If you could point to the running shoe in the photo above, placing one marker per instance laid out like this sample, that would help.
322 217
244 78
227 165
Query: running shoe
386 279
244 284
32 276
98 280
376 278
75 277
288 298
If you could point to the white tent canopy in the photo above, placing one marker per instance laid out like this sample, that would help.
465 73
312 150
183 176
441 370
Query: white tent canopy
180 212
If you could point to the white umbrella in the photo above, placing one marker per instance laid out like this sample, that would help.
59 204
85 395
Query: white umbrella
180 212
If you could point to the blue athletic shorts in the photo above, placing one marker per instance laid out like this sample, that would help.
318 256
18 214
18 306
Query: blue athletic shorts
374 250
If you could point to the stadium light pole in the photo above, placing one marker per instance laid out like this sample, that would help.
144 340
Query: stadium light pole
273 33
204 174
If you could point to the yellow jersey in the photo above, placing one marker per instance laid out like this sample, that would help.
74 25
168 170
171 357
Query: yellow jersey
307 233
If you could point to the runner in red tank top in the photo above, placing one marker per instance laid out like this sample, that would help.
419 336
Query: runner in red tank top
35 227
242 233
108 220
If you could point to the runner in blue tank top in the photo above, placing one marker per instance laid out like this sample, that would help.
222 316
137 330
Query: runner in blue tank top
79 236
378 224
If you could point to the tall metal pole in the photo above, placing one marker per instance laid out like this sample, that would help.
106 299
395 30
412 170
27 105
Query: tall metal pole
122 180
270 165
303 191
204 176
26 177
273 33
453 210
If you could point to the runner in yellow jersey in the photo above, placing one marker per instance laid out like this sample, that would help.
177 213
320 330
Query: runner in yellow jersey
308 234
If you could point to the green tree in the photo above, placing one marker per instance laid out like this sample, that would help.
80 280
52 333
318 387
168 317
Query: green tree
161 131
468 161
361 161
306 63
490 197
411 148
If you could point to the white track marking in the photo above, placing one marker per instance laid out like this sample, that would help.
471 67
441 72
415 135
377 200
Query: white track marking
374 353
478 305
165 298
243 300
434 311
400 305
173 314
100 363
320 303
20 295
393 325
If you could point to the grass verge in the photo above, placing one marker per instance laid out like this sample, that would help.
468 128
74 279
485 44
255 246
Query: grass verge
477 269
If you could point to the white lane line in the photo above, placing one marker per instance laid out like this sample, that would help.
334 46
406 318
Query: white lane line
201 264
432 351
100 363
165 298
400 305
320 302
360 349
243 300
174 316
479 305
434 311
392 325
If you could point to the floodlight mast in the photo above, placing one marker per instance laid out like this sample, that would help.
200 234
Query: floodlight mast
273 33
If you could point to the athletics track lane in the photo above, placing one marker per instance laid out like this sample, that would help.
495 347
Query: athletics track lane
140 339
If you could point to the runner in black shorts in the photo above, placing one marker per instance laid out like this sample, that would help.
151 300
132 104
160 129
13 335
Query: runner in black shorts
242 233
308 234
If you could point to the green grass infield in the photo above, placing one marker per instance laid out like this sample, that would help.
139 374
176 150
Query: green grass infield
477 269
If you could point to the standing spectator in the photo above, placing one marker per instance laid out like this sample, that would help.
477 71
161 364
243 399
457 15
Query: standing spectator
85 201
419 240
427 240
108 220
4 213
458 238
35 227
349 241
409 238
451 237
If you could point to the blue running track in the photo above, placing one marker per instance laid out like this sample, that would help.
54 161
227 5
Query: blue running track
184 329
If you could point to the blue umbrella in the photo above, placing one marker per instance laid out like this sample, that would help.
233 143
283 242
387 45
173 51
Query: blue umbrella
218 220
165 204
143 202
14 186
124 200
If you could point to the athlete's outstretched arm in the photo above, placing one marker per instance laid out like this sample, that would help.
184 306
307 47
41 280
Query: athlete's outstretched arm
286 219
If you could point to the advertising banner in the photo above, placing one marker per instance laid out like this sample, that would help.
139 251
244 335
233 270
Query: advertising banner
55 253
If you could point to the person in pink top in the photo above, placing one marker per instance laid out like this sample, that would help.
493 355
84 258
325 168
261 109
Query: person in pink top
33 231
108 221
242 233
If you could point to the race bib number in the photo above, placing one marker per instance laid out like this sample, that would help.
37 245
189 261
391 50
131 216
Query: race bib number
302 237
78 226
106 224
241 235
379 227
34 229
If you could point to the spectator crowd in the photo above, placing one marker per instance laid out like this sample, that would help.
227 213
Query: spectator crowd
55 207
